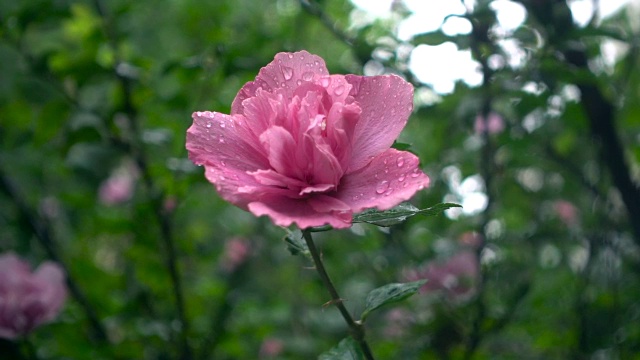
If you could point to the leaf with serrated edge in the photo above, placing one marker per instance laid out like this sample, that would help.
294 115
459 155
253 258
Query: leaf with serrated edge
347 349
389 294
398 214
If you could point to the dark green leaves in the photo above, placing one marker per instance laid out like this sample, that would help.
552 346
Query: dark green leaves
389 294
347 349
398 214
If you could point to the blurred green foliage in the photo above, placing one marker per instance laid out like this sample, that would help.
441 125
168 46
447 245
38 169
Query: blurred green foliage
90 88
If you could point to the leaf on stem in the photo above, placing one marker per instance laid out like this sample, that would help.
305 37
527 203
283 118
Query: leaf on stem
347 349
389 294
399 214
295 243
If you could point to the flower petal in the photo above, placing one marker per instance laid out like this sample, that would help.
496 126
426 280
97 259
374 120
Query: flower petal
285 211
390 178
286 71
386 102
228 151
51 280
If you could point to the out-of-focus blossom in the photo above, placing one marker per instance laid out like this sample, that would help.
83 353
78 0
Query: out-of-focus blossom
455 276
493 125
471 239
28 300
119 187
397 322
566 211
305 147
271 347
236 252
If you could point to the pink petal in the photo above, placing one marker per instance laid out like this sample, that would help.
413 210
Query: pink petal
386 102
282 152
51 279
390 178
286 71
285 211
228 151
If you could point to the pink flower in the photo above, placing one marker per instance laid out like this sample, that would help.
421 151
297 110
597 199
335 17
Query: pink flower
236 252
271 347
302 146
456 276
119 187
493 125
566 211
27 300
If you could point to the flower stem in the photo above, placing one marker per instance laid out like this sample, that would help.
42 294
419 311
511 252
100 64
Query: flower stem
355 327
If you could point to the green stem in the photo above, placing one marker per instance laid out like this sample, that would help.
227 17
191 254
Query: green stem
356 328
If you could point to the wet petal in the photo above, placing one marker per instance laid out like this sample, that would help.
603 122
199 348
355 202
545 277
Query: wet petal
286 211
389 179
386 103
286 71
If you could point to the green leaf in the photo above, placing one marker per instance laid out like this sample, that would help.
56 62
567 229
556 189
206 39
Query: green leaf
398 214
389 294
401 146
295 243
347 349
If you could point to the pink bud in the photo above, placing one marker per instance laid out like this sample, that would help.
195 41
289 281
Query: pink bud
28 300
119 187
271 347
494 124
566 211
236 252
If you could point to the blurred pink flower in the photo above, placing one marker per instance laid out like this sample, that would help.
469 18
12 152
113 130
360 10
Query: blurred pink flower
493 125
471 239
271 347
236 252
119 187
456 276
27 300
302 146
567 212
397 322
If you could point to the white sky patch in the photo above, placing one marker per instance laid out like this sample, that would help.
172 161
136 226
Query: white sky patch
377 8
510 14
442 65
428 16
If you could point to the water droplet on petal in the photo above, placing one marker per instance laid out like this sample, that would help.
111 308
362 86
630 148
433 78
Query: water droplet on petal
221 140
290 56
382 187
287 72
405 185
325 82
415 173
401 177
384 161
339 90
223 164
400 161
208 124
388 192
307 76
299 82
222 124
317 63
